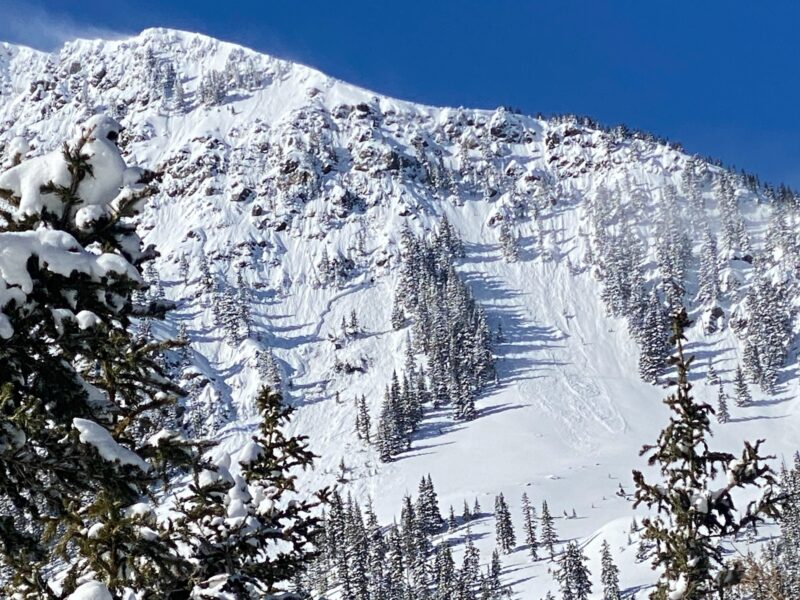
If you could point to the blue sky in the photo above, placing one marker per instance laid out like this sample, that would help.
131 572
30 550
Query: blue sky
721 77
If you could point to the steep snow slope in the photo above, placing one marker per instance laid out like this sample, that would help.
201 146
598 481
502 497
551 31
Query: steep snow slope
291 163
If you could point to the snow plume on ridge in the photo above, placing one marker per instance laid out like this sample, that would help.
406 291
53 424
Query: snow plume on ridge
43 29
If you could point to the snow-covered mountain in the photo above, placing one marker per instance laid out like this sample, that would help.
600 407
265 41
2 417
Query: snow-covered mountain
294 190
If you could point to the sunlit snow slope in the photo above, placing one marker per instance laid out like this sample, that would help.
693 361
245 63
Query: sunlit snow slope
291 162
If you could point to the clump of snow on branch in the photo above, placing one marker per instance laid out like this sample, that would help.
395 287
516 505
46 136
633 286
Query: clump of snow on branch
93 434
30 186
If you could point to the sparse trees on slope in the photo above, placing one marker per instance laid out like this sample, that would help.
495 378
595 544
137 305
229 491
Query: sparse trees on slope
695 511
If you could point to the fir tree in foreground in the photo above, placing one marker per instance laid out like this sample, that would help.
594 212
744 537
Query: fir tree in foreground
81 454
86 452
695 506
774 574
249 534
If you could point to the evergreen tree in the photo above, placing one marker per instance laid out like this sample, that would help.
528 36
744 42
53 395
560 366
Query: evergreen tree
207 280
183 268
495 569
723 416
325 268
549 536
466 515
654 341
244 323
390 436
779 568
573 574
743 397
693 516
529 527
212 90
80 454
377 550
708 276
452 523
469 574
609 574
254 535
363 421
396 577
504 528
430 519
444 574
711 374
268 369
508 243
768 332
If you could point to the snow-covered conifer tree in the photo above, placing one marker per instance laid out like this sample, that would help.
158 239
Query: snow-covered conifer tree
695 510
529 527
723 416
254 533
743 397
548 529
80 458
609 575
573 574
654 343
504 528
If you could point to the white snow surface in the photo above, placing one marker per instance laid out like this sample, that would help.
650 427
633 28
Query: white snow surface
569 414
91 590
